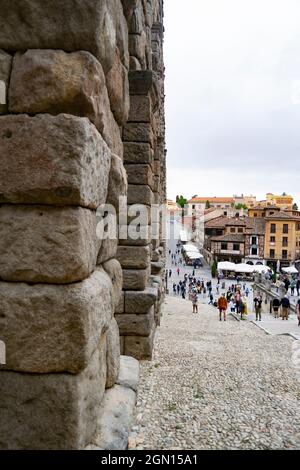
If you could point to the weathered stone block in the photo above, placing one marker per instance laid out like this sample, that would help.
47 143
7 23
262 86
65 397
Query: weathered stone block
54 411
115 420
48 26
59 160
54 82
157 267
136 325
139 174
129 373
138 153
138 132
137 257
112 354
140 302
134 63
47 244
121 305
140 108
139 347
114 271
128 7
137 47
140 82
135 279
117 182
133 236
48 328
118 90
140 194
109 243
5 68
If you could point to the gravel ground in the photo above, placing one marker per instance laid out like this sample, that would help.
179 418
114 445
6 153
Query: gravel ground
214 385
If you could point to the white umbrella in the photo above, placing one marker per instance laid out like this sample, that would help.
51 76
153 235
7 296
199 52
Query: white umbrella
244 268
194 255
226 266
191 248
290 270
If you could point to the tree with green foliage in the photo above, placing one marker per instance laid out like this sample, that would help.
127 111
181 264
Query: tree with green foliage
295 207
207 205
181 201
214 269
241 206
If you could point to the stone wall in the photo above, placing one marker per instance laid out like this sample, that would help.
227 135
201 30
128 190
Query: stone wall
82 124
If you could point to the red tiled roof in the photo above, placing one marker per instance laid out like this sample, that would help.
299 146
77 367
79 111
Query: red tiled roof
216 200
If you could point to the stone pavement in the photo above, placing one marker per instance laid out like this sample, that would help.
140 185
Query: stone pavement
217 385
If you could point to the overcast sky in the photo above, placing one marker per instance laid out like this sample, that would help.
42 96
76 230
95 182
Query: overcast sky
233 97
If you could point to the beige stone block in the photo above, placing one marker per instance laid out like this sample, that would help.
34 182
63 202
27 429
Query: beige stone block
49 328
139 347
47 244
140 194
114 271
112 354
140 302
118 90
59 160
53 411
135 279
138 132
139 174
118 185
134 257
136 325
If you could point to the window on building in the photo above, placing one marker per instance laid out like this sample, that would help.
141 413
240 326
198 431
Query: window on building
194 207
253 240
254 251
272 240
224 246
236 247
273 228
225 213
285 228
240 230
272 254
255 214
232 229
285 241
284 254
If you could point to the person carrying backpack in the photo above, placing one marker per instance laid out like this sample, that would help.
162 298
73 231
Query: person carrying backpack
285 305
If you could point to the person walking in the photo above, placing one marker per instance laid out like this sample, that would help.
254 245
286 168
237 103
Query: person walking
211 299
258 306
178 271
285 306
293 286
298 287
174 288
194 298
222 306
298 311
275 306
170 273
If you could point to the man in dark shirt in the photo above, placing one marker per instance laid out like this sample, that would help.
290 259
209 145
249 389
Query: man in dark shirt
285 304
257 307
276 305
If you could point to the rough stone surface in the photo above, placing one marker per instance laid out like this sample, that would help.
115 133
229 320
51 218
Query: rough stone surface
140 302
53 411
136 325
139 174
112 354
135 279
129 373
59 160
138 132
135 152
114 271
134 257
140 194
121 305
115 419
48 26
5 69
48 328
131 236
117 182
47 244
140 347
140 108
118 90
109 245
